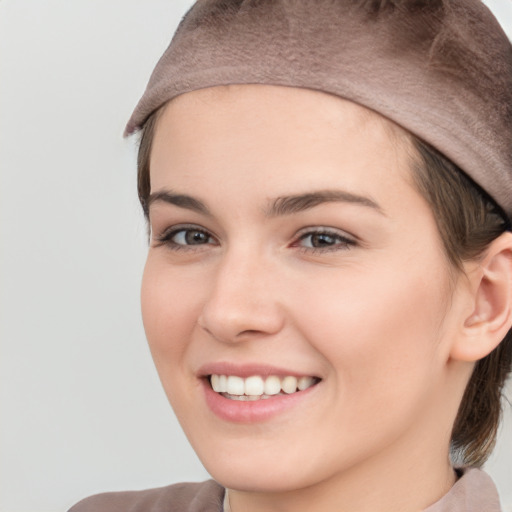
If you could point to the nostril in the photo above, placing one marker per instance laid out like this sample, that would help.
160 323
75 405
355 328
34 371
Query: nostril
249 332
240 323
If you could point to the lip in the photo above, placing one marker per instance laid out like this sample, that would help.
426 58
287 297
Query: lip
247 370
237 411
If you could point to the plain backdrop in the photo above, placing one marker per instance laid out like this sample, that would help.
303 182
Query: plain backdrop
82 410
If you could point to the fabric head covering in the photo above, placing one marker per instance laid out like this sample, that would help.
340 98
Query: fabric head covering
442 69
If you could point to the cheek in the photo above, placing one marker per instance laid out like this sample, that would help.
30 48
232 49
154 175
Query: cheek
169 301
379 331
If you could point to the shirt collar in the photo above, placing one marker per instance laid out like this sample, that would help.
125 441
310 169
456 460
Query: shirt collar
474 491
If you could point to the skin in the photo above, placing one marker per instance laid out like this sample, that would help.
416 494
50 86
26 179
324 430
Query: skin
376 318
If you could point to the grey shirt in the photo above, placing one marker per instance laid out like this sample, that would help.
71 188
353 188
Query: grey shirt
473 492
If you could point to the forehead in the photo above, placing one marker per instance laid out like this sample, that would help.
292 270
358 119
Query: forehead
264 140
261 95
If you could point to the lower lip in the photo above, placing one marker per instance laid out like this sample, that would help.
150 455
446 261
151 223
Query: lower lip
238 411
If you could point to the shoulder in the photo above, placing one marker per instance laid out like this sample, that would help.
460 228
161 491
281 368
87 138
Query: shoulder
184 497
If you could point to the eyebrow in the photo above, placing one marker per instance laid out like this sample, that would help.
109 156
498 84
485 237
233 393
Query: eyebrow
181 200
287 205
281 206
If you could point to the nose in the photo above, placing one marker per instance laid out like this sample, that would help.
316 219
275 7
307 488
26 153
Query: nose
243 301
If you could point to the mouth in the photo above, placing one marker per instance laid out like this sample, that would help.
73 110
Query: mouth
254 393
256 387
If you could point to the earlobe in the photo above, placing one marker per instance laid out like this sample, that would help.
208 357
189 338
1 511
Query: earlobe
491 316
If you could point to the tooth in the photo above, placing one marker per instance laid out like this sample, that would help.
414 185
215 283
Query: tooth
289 384
223 384
305 383
245 398
254 385
235 385
272 385
214 380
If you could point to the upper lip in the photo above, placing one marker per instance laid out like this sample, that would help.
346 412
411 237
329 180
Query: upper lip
248 370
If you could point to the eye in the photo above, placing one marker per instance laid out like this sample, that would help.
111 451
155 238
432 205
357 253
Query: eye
185 237
190 237
324 240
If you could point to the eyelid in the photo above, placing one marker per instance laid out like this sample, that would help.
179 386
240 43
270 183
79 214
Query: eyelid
165 237
328 231
345 240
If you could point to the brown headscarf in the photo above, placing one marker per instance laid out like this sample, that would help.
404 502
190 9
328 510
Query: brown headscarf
442 69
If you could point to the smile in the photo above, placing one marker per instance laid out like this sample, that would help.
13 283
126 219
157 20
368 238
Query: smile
257 388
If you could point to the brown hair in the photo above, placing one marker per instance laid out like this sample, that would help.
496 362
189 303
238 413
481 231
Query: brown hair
468 221
143 160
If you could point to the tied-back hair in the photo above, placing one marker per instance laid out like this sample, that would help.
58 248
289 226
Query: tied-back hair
468 221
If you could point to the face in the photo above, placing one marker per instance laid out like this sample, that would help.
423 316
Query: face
292 260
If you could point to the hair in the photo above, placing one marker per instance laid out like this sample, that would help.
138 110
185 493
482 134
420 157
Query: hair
468 221
143 161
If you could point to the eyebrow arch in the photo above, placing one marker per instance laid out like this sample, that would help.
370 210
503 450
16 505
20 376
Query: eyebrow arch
181 200
287 205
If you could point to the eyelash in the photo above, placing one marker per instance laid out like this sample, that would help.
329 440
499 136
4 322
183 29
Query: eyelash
166 237
341 242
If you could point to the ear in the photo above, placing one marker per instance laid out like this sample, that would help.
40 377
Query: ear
491 303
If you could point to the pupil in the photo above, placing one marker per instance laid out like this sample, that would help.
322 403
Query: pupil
196 237
319 240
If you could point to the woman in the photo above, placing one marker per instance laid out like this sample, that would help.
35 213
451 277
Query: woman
328 289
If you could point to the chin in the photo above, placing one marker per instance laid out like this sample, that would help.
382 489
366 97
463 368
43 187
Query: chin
265 467
244 477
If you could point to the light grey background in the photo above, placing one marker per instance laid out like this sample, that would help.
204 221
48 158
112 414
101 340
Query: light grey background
82 410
